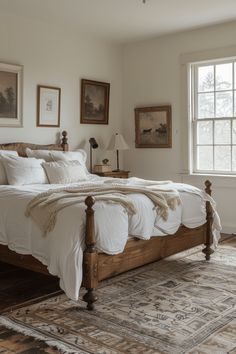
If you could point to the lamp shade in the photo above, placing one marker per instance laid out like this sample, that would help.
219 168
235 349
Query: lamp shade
117 142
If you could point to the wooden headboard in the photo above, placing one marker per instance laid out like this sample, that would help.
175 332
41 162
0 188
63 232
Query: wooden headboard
20 147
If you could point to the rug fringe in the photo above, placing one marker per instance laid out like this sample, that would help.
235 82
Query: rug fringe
8 323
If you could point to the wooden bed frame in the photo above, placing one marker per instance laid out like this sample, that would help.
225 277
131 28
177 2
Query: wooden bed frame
99 266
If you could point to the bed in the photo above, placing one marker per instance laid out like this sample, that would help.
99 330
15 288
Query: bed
98 265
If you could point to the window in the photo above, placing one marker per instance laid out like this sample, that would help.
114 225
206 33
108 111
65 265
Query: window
213 117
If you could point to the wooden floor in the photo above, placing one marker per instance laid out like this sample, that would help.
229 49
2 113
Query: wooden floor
18 285
12 342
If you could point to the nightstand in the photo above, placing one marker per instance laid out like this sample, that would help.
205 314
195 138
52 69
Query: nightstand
114 174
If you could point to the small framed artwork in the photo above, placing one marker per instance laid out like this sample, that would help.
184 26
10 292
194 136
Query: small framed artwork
48 106
11 95
94 102
153 127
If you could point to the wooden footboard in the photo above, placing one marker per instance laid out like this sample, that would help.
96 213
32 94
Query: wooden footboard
99 266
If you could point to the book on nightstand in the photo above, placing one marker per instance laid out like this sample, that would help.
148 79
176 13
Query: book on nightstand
102 168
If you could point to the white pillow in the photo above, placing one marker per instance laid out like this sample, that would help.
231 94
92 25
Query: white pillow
20 170
54 155
3 176
63 172
39 154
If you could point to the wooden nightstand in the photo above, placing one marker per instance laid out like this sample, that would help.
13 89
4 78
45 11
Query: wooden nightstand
114 174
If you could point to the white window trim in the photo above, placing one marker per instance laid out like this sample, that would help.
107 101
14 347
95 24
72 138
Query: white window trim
185 64
194 113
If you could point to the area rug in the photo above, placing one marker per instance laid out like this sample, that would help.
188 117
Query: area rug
182 304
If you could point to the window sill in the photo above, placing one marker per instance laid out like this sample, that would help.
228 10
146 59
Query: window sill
218 181
207 175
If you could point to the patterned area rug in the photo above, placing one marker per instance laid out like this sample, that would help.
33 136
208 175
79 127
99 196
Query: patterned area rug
179 305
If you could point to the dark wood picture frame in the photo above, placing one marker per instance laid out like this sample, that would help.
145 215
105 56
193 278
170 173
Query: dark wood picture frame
48 106
11 92
94 102
153 127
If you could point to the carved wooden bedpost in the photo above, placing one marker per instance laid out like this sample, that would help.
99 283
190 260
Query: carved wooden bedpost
64 141
90 263
209 217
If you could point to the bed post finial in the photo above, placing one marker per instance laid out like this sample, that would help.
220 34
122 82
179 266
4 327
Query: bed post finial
209 218
64 141
90 265
208 185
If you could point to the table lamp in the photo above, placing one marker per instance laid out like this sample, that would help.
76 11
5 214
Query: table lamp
117 143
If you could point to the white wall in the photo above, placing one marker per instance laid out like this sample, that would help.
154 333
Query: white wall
153 74
56 57
149 73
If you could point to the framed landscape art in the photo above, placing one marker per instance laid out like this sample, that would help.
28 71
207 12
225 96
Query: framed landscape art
11 77
48 106
94 102
153 127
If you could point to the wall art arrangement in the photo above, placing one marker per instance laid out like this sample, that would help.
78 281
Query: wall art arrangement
11 94
94 102
48 106
153 127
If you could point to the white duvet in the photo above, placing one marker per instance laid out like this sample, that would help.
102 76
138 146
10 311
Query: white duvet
62 250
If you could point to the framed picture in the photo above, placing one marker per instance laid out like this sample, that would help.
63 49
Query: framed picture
153 127
94 102
48 106
11 87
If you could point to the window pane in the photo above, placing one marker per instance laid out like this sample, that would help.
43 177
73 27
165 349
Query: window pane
205 105
222 132
204 133
206 78
222 158
214 106
224 104
224 75
234 102
235 75
204 157
234 132
234 158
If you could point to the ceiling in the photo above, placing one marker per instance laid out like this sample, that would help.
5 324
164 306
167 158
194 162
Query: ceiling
125 20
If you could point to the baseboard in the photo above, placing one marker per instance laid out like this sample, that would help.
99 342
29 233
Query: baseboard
229 229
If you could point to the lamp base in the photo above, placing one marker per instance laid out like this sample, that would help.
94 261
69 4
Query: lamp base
117 170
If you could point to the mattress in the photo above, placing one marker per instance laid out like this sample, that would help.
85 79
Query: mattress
62 249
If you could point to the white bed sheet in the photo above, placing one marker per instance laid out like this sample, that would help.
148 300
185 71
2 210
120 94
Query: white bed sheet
62 249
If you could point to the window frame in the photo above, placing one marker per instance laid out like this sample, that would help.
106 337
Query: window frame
193 110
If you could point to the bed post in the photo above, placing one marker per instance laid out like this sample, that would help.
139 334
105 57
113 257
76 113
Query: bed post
209 217
90 262
64 141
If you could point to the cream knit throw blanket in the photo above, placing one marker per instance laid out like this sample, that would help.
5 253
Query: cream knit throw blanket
44 208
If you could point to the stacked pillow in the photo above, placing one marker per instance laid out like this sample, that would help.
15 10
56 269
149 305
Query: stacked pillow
62 167
3 176
20 171
62 172
54 155
42 166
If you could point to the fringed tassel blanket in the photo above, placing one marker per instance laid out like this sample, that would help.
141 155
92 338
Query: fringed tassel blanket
44 208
